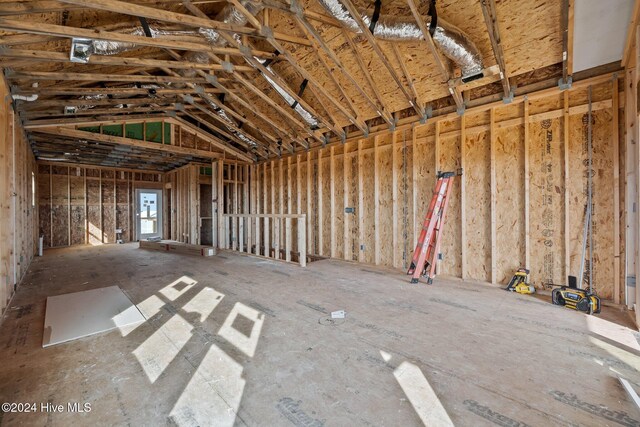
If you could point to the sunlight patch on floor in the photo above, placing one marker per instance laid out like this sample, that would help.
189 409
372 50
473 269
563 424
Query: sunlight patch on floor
420 393
157 352
213 394
204 303
176 289
246 339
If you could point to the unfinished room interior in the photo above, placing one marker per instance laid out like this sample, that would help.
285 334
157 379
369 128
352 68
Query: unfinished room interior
319 212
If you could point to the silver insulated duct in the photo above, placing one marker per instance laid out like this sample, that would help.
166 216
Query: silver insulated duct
82 49
453 43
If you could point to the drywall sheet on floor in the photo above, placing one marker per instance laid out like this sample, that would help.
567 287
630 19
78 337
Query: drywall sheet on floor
80 314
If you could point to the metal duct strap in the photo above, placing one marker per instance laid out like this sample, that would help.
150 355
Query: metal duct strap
375 16
433 13
145 26
303 86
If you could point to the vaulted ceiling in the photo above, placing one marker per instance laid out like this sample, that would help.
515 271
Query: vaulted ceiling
272 76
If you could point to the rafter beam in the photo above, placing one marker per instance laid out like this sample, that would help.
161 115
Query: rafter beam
442 65
47 103
128 8
129 142
112 90
381 107
211 100
94 121
46 56
203 135
359 123
491 20
122 112
96 77
71 32
376 48
283 51
314 36
407 74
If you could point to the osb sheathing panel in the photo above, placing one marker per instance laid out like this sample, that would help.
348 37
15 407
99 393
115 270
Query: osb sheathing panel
303 189
60 210
368 207
108 207
385 201
547 203
313 193
351 247
509 210
44 205
78 229
123 208
449 160
18 227
94 211
602 195
425 175
526 43
325 200
403 199
622 192
339 205
546 206
477 179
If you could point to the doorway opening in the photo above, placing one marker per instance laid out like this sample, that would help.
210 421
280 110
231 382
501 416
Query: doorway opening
148 213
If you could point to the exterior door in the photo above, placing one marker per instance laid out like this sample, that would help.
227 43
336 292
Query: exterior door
148 213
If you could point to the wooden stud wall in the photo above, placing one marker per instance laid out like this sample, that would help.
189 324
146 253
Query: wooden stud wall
519 207
85 204
18 215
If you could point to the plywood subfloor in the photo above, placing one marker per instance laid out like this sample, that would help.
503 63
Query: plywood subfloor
241 341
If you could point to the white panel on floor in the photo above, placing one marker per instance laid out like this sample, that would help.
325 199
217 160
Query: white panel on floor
80 314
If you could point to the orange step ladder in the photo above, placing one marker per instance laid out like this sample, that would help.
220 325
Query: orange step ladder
423 262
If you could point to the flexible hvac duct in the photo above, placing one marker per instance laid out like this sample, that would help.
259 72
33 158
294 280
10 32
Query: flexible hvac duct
453 43
28 98
230 124
230 15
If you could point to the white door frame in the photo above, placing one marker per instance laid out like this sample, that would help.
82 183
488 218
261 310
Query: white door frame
158 192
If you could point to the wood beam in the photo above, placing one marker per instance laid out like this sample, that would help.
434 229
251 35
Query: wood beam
229 111
97 34
128 8
112 112
380 107
376 48
209 138
91 121
112 90
615 142
271 74
46 56
407 76
96 77
629 53
313 34
491 20
442 65
118 140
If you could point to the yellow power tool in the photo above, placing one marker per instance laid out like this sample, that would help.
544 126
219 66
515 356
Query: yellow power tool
519 283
